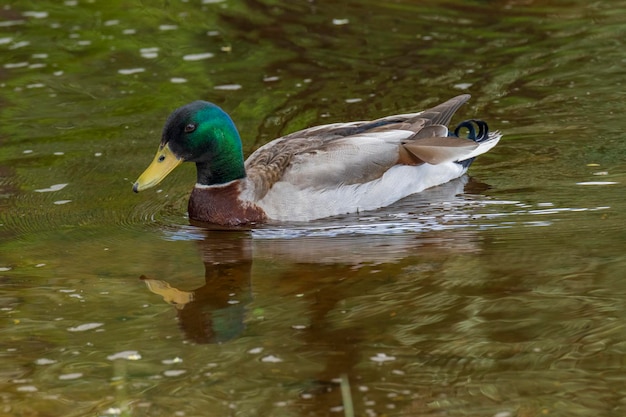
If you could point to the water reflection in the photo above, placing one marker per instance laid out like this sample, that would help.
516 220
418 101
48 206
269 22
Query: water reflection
301 290
459 308
215 311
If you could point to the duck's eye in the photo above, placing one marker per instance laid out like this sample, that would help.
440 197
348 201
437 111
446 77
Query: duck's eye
161 158
190 128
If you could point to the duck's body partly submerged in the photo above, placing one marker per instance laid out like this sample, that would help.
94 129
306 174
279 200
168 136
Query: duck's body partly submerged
317 172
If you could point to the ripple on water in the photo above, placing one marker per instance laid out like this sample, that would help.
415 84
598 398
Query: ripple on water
436 210
155 214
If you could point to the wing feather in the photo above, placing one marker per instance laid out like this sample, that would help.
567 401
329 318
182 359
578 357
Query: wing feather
349 153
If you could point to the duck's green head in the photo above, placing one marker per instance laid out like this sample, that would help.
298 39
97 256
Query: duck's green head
199 132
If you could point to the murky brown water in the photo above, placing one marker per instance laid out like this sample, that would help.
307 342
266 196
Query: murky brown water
500 294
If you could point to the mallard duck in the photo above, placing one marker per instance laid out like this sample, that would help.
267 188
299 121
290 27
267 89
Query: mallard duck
317 172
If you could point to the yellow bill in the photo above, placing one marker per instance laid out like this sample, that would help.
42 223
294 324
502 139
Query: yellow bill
163 163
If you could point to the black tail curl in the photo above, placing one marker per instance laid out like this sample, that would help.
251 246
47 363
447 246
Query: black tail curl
477 130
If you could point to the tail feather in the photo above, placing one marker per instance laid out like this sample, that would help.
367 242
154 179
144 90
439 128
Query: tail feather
442 113
431 146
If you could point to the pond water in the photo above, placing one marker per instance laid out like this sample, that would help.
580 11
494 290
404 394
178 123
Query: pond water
499 294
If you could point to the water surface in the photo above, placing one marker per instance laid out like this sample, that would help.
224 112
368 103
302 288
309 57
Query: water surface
499 294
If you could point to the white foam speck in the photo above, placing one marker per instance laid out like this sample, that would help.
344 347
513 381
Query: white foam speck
55 187
152 52
16 65
74 375
174 372
36 15
20 44
340 22
597 183
172 361
382 357
130 71
130 355
61 202
45 361
168 27
178 80
85 327
198 57
228 87
271 359
8 23
462 86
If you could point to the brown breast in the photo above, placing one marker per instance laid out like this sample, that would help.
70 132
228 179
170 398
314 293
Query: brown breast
222 205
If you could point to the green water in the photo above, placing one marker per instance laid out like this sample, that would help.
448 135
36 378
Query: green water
499 294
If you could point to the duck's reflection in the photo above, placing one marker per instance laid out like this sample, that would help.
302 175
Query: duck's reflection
214 312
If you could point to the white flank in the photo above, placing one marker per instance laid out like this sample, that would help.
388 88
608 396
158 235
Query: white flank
287 202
